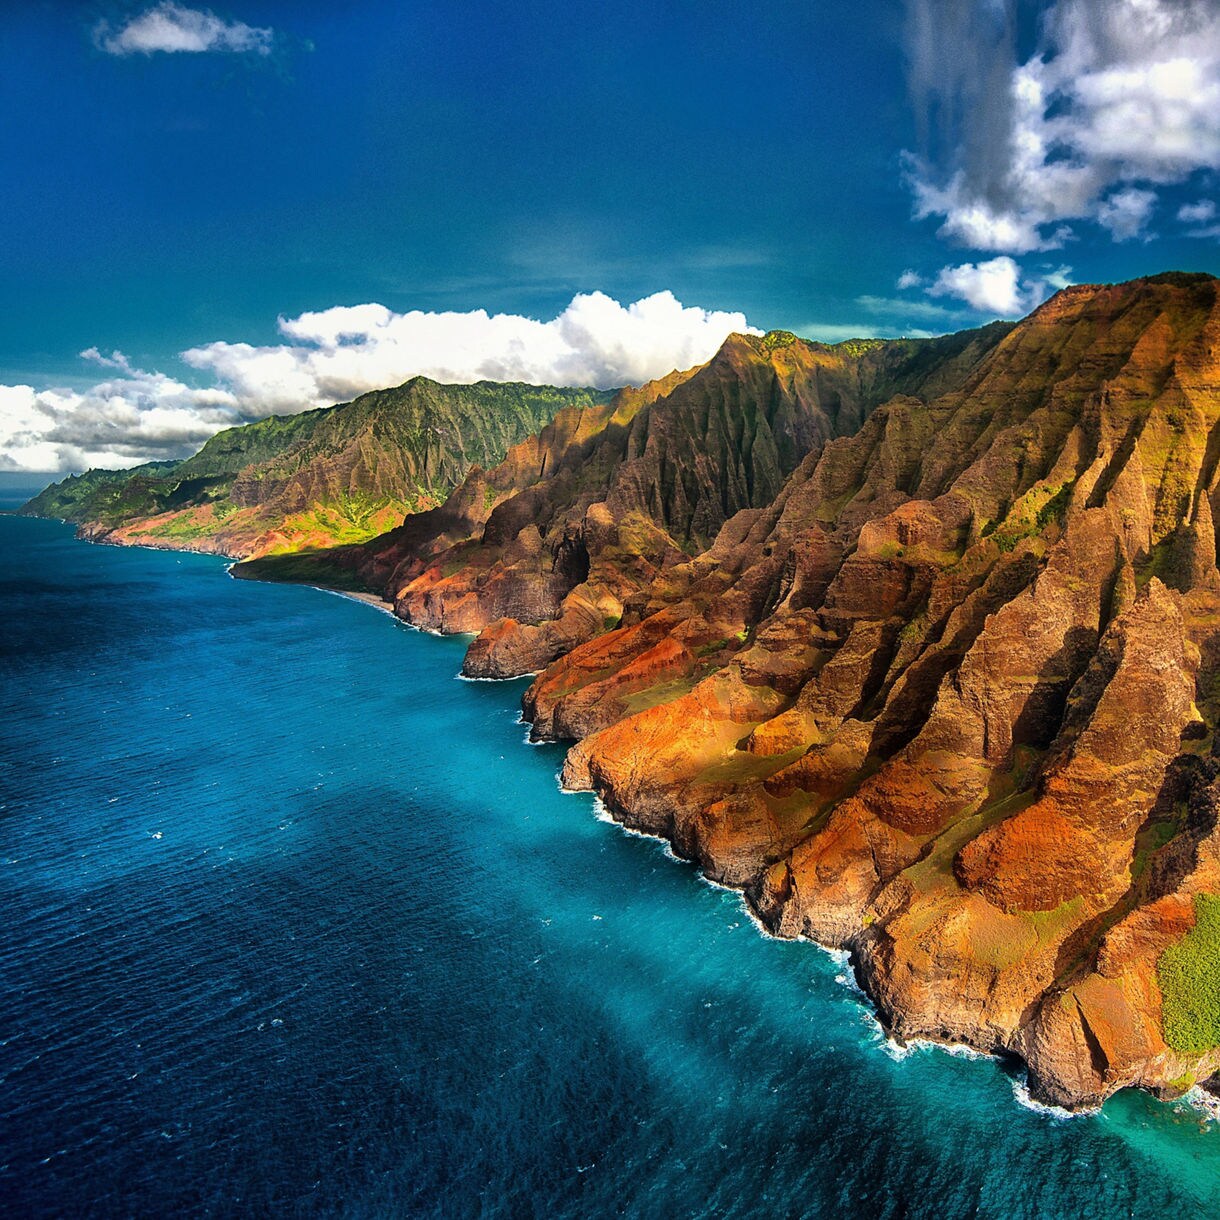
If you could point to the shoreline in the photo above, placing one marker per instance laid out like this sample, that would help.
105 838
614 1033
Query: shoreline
1198 1098
367 599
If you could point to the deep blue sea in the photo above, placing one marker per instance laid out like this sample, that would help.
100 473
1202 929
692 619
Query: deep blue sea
295 924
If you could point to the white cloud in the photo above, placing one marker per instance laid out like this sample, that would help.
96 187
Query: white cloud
910 279
1061 277
116 423
1200 213
338 353
341 352
1126 213
172 27
995 287
991 287
1118 94
116 360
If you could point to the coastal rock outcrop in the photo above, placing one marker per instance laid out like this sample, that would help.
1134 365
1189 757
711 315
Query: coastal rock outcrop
917 643
933 680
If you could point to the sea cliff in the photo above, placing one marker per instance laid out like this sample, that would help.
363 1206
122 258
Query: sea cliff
939 690
916 643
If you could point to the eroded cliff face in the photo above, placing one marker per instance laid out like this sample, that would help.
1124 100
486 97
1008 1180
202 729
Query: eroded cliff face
314 480
563 539
935 682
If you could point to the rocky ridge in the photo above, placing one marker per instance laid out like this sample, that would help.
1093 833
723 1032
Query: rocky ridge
562 539
321 478
916 646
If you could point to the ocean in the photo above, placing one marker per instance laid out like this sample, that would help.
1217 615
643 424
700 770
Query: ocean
295 923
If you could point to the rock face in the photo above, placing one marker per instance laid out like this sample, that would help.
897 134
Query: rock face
569 534
314 480
918 645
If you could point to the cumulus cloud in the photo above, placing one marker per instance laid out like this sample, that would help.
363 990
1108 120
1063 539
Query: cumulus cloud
996 287
172 28
336 354
341 352
1120 97
117 423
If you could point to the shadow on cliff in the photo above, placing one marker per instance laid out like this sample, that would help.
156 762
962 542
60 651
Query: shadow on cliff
328 567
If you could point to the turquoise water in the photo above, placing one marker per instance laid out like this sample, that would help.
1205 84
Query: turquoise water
296 924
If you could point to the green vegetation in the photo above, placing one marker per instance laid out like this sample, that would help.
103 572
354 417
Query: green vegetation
329 476
184 528
1055 509
1156 834
778 338
102 495
1038 508
306 567
858 347
1189 975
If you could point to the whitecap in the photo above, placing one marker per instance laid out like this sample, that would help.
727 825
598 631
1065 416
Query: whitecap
1020 1090
1203 1102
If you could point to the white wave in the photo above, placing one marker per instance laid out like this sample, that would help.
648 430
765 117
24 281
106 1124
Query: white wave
1202 1102
847 978
1020 1090
959 1050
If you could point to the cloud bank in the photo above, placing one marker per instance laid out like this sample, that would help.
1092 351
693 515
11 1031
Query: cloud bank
340 352
171 28
335 354
1120 97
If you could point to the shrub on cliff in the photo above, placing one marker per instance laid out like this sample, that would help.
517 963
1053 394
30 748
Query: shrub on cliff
1189 974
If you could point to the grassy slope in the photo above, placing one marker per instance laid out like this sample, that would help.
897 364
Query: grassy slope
1189 975
320 478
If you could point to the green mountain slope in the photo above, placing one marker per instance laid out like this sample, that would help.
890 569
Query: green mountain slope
333 475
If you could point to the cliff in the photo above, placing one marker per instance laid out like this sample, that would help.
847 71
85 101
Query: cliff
918 645
314 480
570 532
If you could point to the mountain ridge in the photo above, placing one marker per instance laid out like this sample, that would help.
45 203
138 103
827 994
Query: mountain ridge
916 643
948 700
317 478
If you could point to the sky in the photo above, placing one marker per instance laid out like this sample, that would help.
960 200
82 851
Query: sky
212 213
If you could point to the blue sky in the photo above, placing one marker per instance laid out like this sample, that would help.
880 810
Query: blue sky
182 177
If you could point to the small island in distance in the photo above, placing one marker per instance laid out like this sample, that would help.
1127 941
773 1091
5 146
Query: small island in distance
916 642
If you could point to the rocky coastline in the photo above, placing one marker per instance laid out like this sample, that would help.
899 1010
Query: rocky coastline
915 643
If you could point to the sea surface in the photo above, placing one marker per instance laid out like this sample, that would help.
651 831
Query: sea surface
295 924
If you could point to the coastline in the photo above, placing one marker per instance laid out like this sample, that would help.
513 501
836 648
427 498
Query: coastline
367 599
1198 1098
855 977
